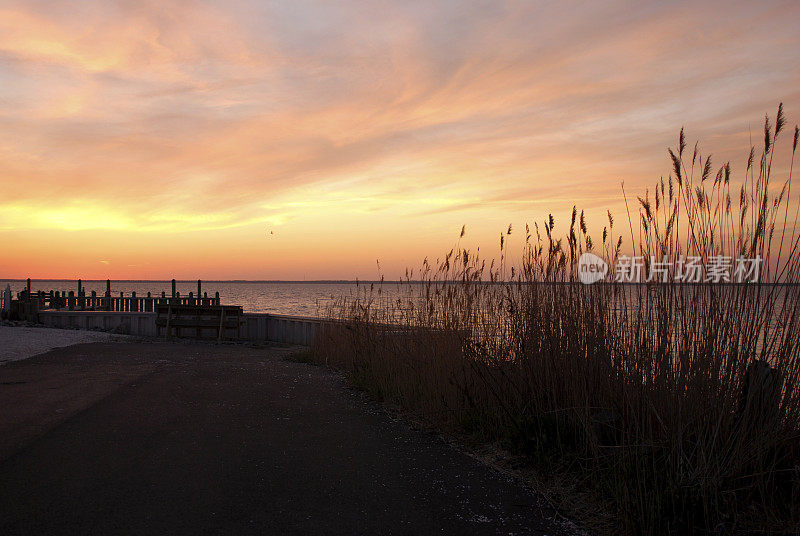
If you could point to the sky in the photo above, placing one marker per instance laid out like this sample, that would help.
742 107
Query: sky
334 140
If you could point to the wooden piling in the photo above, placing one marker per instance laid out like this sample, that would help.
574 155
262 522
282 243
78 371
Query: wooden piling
221 324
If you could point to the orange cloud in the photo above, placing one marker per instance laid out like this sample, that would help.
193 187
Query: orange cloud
349 128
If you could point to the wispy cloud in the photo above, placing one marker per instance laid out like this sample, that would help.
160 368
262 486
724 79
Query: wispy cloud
227 116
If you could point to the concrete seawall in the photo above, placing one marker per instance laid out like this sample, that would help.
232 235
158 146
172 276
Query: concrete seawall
139 324
255 327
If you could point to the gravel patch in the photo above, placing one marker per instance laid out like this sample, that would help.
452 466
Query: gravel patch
23 342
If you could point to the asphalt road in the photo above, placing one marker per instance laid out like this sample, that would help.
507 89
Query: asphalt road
177 438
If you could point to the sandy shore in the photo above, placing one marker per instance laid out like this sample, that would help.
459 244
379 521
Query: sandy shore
23 342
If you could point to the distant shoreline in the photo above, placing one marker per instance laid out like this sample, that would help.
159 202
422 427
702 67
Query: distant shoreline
372 281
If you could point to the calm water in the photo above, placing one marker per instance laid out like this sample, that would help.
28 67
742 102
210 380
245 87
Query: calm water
300 299
288 298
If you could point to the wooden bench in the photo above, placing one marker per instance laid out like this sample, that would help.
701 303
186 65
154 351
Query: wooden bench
199 321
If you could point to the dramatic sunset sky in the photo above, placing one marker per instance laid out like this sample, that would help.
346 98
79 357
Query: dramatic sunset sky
306 139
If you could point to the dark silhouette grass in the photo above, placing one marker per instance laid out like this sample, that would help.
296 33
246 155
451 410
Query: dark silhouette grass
674 405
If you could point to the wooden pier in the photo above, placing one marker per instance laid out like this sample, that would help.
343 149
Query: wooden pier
198 314
31 302
191 316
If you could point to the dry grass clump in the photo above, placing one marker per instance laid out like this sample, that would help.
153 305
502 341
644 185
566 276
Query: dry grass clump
675 402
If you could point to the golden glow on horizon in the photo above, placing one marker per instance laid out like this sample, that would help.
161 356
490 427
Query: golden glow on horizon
287 141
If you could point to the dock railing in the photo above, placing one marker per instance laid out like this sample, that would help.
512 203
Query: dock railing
31 302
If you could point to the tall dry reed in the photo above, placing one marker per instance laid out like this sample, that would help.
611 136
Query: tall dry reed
675 403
